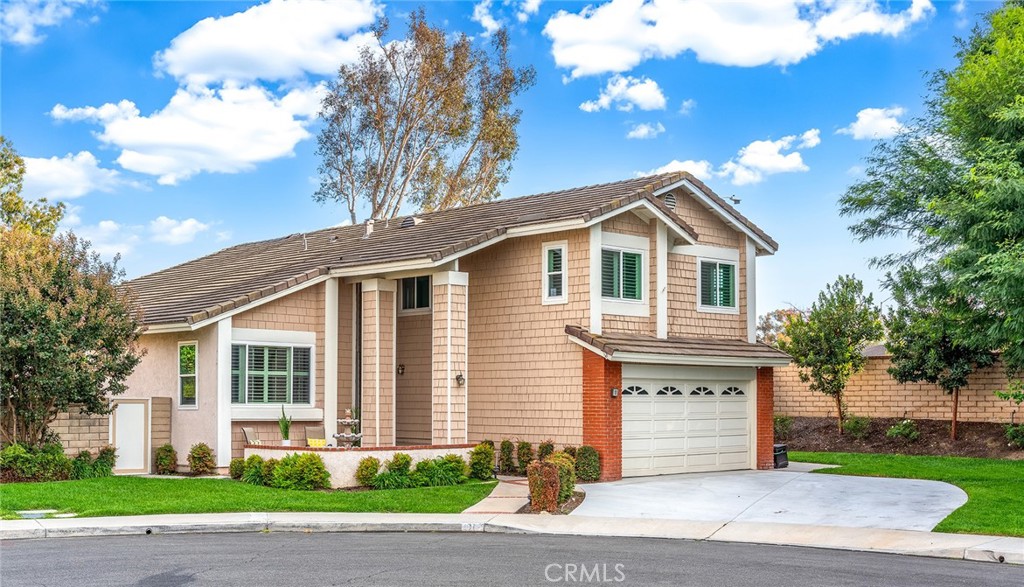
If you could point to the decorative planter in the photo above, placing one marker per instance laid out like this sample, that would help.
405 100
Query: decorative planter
286 442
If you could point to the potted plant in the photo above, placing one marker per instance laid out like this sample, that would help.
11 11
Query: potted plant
285 424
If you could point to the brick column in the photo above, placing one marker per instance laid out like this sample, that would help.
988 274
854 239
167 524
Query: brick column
449 398
377 414
602 413
765 417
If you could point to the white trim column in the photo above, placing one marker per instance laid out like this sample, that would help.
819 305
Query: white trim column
224 392
331 357
751 267
661 280
596 311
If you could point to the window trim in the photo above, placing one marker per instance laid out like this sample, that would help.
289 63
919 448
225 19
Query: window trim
632 244
545 298
400 294
278 405
644 277
735 310
182 343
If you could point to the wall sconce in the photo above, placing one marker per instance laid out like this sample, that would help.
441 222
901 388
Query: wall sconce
460 379
401 369
615 392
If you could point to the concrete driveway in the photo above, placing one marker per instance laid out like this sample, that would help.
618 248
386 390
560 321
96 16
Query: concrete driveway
786 496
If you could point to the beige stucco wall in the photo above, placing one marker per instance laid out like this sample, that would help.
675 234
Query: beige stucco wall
525 377
412 387
874 393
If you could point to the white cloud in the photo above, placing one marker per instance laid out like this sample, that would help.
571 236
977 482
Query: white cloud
960 6
617 36
175 232
70 176
527 8
702 170
20 20
223 235
108 238
875 123
625 92
645 131
810 139
482 15
274 41
687 106
225 131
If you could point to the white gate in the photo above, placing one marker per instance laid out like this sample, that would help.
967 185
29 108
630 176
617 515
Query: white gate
130 435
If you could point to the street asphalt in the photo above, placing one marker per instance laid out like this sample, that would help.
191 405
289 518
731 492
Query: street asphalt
425 559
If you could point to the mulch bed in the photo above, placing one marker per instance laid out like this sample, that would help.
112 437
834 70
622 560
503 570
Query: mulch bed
564 509
974 439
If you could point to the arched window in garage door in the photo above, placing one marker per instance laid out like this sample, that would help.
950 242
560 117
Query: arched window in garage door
670 390
733 390
702 390
634 390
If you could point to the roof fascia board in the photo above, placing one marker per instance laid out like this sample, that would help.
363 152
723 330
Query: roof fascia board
675 228
718 210
660 359
589 347
167 327
256 303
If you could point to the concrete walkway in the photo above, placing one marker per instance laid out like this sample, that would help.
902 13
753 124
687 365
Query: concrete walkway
511 494
784 496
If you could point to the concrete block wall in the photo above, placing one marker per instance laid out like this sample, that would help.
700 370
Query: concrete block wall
80 432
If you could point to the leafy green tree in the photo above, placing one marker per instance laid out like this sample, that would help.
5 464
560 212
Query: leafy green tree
828 342
427 119
931 335
68 330
771 327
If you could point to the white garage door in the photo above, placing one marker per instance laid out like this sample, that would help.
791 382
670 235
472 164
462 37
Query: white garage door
683 424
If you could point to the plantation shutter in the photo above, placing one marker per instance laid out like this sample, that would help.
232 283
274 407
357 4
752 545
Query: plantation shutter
237 374
277 374
256 384
727 285
708 284
300 375
610 274
631 276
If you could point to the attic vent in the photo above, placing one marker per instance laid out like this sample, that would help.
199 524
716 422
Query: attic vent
670 200
411 221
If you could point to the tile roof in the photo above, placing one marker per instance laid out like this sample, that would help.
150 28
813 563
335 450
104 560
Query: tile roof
230 278
612 343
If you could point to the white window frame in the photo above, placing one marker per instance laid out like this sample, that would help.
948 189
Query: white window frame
400 296
277 405
267 412
545 298
734 310
177 362
627 243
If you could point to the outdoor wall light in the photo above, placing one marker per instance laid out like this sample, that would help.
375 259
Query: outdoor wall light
460 379
615 392
401 369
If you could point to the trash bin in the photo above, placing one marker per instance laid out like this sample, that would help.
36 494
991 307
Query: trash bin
781 456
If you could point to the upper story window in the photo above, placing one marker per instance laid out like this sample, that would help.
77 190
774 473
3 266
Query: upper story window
622 274
554 277
271 374
717 285
188 361
416 293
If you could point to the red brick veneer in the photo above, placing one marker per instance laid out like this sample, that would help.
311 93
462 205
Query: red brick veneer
765 413
602 413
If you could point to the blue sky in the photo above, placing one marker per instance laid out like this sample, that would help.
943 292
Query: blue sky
174 129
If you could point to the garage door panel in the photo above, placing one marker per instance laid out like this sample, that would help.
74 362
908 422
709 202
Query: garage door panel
701 407
733 442
735 459
669 426
732 424
732 407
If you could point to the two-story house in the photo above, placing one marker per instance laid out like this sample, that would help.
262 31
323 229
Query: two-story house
618 315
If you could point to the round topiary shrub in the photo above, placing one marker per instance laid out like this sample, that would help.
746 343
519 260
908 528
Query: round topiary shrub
236 468
481 461
252 470
367 470
200 459
506 460
302 470
588 463
166 460
566 474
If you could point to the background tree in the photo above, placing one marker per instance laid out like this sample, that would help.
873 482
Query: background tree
426 120
68 332
827 343
771 327
931 335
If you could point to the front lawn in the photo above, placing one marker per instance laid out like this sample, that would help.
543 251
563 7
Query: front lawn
125 496
994 487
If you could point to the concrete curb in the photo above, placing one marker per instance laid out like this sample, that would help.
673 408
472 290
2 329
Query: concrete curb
906 542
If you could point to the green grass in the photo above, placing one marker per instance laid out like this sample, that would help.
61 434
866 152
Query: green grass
994 487
125 496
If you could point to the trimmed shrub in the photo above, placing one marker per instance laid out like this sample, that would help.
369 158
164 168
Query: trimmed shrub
1015 435
588 463
236 467
858 427
252 470
200 459
543 480
367 470
397 475
524 454
506 462
545 449
52 464
782 425
569 450
81 466
400 463
489 443
481 461
450 469
269 470
302 470
566 475
907 430
167 461
17 464
106 458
